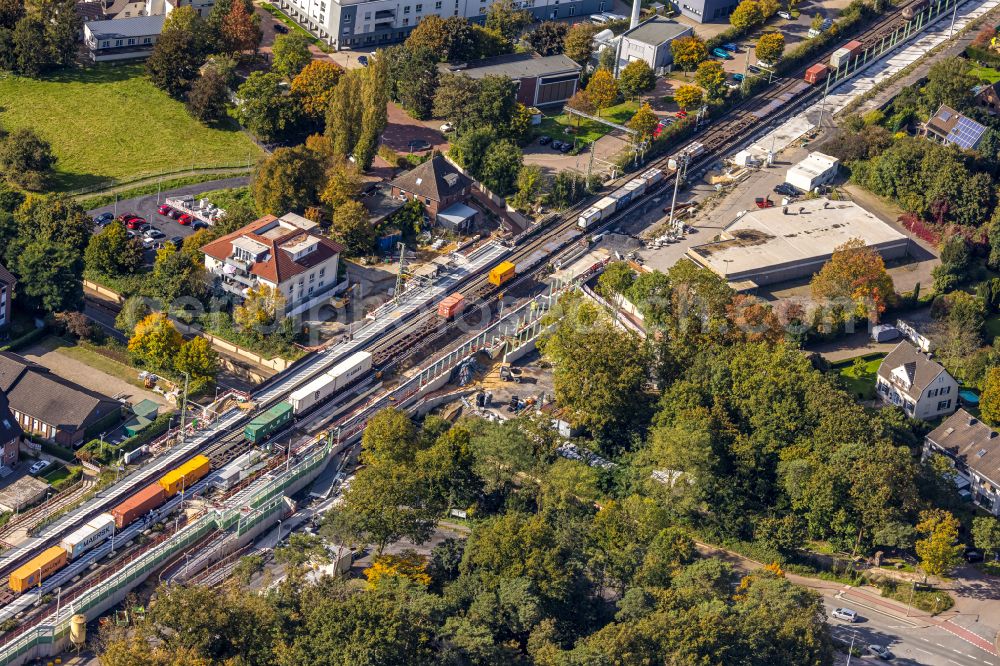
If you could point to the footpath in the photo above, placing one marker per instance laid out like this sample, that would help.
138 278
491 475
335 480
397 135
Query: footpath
865 597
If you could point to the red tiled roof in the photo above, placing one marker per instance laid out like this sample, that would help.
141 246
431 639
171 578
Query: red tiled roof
279 265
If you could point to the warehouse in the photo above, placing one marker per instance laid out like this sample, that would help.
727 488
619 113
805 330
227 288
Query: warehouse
773 245
815 170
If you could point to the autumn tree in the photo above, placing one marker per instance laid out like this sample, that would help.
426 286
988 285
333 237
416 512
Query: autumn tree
343 183
314 86
602 90
939 550
688 52
579 42
288 179
261 307
712 77
155 341
986 534
409 564
636 77
197 358
504 18
989 402
111 252
581 102
770 47
291 54
855 275
241 30
688 96
351 227
747 15
644 122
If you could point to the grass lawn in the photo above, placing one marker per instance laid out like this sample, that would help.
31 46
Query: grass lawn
564 126
985 74
861 384
97 361
295 27
109 122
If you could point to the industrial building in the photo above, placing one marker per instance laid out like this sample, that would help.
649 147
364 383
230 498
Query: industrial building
773 245
650 41
541 80
815 170
706 11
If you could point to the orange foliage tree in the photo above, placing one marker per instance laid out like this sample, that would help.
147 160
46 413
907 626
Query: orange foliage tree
855 274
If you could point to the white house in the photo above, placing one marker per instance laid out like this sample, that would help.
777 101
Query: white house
650 41
286 254
911 380
974 449
815 170
122 39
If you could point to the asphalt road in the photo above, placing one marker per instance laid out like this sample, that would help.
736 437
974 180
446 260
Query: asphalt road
911 641
145 206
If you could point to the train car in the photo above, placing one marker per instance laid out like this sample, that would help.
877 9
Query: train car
37 569
637 186
83 539
451 306
588 217
689 152
331 381
502 273
845 54
185 476
910 12
263 425
351 368
817 73
601 210
138 505
652 177
622 197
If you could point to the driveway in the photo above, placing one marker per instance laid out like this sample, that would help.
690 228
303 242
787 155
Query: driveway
402 129
551 161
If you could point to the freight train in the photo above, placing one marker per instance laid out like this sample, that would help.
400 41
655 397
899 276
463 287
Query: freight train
911 11
101 528
620 198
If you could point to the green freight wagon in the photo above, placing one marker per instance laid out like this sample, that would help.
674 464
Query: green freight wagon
264 424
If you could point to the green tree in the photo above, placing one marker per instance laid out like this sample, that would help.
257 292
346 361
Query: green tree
133 311
111 252
49 276
688 52
26 159
176 57
429 34
11 11
208 97
505 19
62 25
620 535
637 77
938 551
644 122
375 117
289 179
291 54
351 227
986 534
414 75
175 276
770 47
500 167
529 183
197 358
155 341
688 96
989 402
314 86
547 39
264 108
28 35
948 82
343 183
602 90
470 149
747 15
344 114
578 44
616 280
712 77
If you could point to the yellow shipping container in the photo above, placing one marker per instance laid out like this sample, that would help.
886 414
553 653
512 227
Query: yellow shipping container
186 475
27 575
502 272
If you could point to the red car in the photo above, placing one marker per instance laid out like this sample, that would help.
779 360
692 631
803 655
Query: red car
185 219
165 210
135 223
682 114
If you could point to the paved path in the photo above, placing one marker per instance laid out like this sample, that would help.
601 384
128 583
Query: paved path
125 187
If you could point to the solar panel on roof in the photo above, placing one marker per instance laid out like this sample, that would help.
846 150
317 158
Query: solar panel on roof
966 133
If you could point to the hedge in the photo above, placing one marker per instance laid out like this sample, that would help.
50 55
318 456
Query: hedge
55 450
26 339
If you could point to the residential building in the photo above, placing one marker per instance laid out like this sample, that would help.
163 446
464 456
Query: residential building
771 245
541 80
988 97
369 24
122 39
10 434
974 449
706 11
51 407
909 379
650 41
815 170
285 253
7 284
435 184
948 126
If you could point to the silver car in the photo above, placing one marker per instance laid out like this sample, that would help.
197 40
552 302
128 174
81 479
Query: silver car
845 614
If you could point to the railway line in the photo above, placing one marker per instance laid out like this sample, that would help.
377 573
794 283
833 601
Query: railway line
418 329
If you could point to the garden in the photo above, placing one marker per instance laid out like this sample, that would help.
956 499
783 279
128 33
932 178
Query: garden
858 375
567 127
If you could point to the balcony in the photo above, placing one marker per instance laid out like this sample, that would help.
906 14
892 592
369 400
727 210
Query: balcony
385 14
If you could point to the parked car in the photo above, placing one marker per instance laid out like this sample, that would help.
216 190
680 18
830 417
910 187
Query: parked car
38 467
732 48
566 147
136 224
880 651
785 15
447 127
185 219
363 60
417 145
103 218
198 224
765 65
682 114
281 27
557 145
845 614
164 209
719 52
754 69
178 241
544 139
154 235
737 77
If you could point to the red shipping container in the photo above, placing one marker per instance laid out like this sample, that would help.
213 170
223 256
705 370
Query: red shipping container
138 505
816 73
451 306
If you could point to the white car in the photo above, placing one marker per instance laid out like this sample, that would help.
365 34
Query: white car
785 15
38 467
447 127
154 234
845 614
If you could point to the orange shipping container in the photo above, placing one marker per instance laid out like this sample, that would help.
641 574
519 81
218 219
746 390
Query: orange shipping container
816 73
186 475
451 306
138 505
37 569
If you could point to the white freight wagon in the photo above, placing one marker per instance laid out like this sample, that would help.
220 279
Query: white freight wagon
83 539
330 382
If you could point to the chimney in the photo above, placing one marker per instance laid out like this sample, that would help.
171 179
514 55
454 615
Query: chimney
636 5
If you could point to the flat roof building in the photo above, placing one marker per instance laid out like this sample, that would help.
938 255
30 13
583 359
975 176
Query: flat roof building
650 41
777 244
706 11
815 170
542 80
122 38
